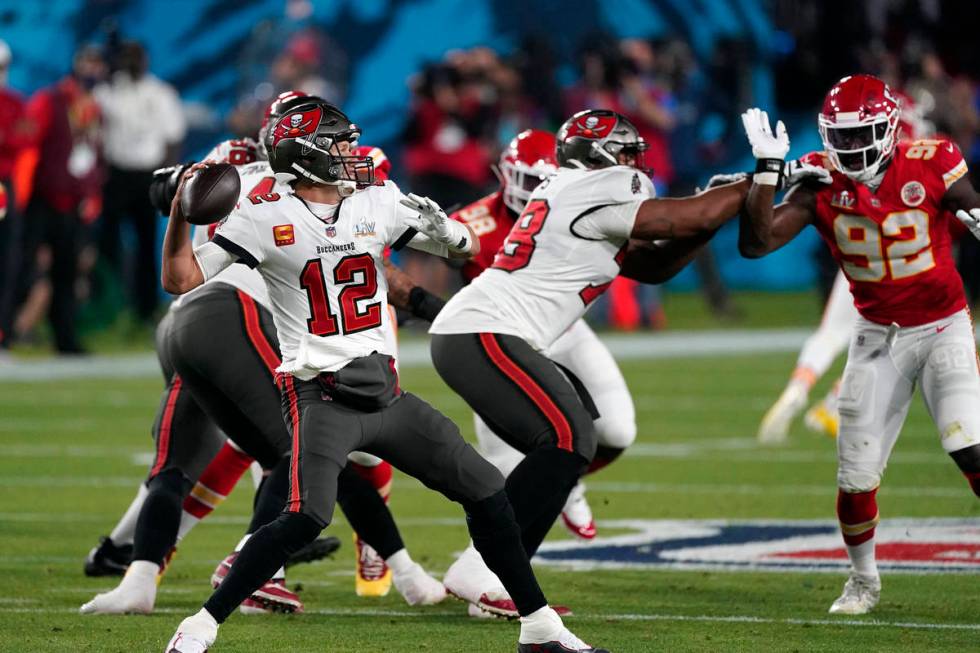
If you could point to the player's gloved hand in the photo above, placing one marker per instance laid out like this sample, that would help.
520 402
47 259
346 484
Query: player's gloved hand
768 148
797 170
971 220
725 178
434 223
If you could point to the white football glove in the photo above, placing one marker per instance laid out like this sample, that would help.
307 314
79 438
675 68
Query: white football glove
970 219
764 144
434 223
725 178
796 171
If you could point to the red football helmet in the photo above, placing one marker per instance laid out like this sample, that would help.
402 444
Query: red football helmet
527 161
859 126
382 166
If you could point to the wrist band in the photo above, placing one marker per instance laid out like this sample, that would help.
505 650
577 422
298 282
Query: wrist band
768 172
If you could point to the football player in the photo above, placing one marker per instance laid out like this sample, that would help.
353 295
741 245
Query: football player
528 160
320 250
883 216
593 220
186 438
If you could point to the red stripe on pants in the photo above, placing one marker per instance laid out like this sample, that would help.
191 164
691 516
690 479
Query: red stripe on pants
295 501
253 328
530 387
163 443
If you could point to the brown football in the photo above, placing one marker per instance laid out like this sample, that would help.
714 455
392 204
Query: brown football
210 194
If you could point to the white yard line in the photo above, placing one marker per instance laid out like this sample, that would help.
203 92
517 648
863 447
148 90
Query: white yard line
579 616
644 346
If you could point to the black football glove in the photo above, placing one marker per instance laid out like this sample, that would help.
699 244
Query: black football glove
164 186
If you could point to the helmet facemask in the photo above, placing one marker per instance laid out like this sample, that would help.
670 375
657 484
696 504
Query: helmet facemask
860 150
520 180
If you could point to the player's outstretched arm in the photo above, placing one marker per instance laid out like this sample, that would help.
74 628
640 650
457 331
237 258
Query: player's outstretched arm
180 270
686 217
764 228
660 261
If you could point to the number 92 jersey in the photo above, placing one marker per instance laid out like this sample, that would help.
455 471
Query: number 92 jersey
323 266
894 245
561 254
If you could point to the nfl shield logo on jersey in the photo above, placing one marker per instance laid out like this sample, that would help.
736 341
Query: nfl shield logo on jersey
331 231
913 193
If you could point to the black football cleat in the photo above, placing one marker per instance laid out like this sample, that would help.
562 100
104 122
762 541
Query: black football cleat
556 647
107 559
318 549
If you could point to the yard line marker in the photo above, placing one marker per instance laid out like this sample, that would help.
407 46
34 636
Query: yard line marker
579 616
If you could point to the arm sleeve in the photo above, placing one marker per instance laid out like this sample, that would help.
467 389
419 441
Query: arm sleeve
212 259
238 236
423 243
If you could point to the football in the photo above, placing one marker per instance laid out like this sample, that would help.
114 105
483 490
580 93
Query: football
210 194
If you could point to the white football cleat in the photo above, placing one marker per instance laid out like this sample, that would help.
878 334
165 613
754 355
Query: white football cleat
418 587
860 595
775 423
544 632
577 515
469 578
195 634
135 594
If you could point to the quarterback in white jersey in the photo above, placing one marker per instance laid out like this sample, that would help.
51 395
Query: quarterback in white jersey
592 221
320 250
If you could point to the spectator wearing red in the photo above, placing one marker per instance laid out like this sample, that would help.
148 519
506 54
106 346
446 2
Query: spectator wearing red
15 132
66 173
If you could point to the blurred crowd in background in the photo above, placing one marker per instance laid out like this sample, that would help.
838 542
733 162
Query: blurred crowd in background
79 242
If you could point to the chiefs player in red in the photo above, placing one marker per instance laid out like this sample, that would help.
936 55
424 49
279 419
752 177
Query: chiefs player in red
885 215
525 163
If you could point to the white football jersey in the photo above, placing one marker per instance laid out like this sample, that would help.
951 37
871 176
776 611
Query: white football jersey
561 254
323 266
257 180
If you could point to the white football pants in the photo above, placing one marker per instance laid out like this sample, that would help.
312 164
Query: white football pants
884 364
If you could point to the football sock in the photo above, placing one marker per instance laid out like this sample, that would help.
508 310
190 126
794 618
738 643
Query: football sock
264 553
968 460
216 483
858 514
543 625
156 529
497 537
400 562
367 513
538 488
379 476
603 456
125 530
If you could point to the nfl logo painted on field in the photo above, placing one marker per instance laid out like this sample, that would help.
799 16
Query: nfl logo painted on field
910 545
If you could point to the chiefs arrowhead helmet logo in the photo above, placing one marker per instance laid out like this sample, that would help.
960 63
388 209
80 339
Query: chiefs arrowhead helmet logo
294 125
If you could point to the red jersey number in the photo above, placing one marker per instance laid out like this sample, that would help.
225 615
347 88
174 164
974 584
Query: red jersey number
262 191
860 239
322 320
516 251
241 152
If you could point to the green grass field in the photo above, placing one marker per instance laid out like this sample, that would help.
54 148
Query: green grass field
70 460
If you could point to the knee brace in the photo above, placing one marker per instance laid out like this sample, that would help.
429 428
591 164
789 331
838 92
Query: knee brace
858 515
968 460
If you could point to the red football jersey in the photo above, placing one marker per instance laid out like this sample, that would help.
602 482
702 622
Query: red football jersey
491 221
894 245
